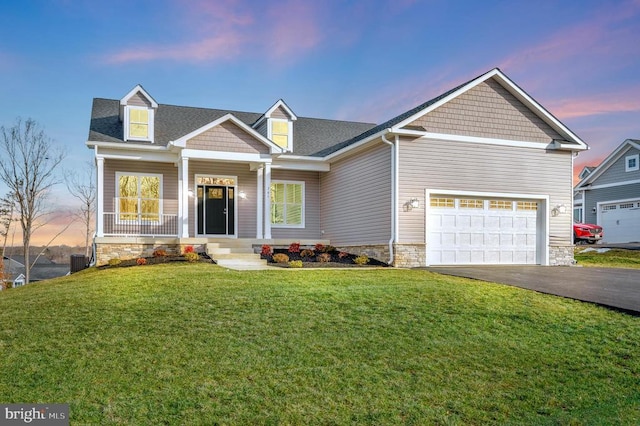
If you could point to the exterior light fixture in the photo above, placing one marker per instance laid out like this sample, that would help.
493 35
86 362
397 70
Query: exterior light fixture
242 195
414 203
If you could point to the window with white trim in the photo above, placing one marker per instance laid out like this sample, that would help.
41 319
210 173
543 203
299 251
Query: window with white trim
139 197
632 163
287 204
138 123
280 132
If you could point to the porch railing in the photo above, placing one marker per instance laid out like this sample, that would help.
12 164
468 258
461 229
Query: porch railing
158 218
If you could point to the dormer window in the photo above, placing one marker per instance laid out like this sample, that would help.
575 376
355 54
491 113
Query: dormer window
139 121
280 132
632 163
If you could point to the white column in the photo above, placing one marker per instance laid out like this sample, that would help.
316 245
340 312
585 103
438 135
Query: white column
100 197
184 208
260 202
267 201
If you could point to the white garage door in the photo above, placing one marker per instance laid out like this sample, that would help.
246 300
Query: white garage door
621 221
474 231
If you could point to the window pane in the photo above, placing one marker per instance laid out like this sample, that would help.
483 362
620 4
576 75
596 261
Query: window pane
150 187
277 193
294 214
280 127
277 213
294 193
281 140
128 208
128 186
138 130
150 209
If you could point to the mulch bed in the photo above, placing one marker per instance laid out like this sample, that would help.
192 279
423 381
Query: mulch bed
312 262
155 260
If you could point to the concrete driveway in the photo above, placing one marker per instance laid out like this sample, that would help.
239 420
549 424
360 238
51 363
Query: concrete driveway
613 287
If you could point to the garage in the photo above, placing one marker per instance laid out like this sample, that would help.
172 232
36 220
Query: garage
620 220
464 230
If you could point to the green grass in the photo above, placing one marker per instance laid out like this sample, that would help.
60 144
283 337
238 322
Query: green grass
197 344
614 258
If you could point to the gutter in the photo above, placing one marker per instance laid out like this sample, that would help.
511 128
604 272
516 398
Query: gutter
394 192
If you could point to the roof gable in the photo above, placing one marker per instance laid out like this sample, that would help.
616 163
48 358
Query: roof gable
278 110
609 162
138 93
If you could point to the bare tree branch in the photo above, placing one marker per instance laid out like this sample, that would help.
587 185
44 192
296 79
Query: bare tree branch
83 187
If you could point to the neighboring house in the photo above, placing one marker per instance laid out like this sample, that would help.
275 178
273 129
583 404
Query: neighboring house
478 175
43 269
610 194
578 214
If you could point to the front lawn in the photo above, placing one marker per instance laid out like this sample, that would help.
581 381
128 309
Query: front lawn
198 344
614 258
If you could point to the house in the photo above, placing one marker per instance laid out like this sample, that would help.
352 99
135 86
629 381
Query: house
478 175
42 269
578 213
610 194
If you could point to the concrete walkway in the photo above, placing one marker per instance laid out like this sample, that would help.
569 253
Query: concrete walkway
613 287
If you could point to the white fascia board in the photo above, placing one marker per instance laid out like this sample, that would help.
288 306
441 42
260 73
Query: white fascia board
126 146
197 154
182 142
487 141
605 164
614 184
283 163
135 90
124 154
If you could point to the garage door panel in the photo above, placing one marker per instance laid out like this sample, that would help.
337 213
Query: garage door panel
620 221
489 233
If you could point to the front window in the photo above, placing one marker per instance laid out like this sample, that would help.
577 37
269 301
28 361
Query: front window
139 123
280 133
139 197
287 204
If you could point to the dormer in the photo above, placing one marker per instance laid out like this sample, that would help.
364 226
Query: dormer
277 125
137 112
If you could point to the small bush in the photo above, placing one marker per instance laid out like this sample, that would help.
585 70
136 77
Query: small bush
363 259
295 264
188 249
266 250
343 254
280 258
319 248
191 257
141 261
114 262
324 257
294 248
329 249
307 253
159 253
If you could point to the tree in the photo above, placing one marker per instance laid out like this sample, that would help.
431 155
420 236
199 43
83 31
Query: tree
83 187
27 167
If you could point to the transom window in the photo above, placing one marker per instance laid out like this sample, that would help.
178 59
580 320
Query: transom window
211 180
287 204
139 197
280 133
632 163
471 203
500 205
527 205
442 202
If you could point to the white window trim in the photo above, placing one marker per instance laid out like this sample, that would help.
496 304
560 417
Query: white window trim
117 196
290 130
236 204
295 182
626 163
127 137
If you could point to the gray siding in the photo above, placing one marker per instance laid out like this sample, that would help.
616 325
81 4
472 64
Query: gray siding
595 196
280 113
168 171
355 198
311 208
229 138
488 110
247 182
262 128
616 172
456 166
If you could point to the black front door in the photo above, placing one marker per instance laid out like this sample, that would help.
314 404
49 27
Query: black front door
216 214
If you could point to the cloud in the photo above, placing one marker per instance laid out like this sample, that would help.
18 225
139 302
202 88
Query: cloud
627 100
226 29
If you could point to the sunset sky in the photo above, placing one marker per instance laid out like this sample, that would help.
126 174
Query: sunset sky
350 60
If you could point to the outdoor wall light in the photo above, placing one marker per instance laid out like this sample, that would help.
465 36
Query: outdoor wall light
242 195
413 203
558 210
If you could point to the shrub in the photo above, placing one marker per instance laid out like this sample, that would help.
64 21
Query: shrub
307 253
189 249
159 253
295 264
294 248
141 261
343 254
280 258
319 248
363 259
324 257
329 249
191 257
266 250
114 262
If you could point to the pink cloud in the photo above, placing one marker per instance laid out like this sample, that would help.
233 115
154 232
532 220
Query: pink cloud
229 28
627 100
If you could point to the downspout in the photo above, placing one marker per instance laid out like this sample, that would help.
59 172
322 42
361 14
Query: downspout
394 193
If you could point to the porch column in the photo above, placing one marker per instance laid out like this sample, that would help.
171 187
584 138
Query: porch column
267 201
259 198
100 197
183 209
